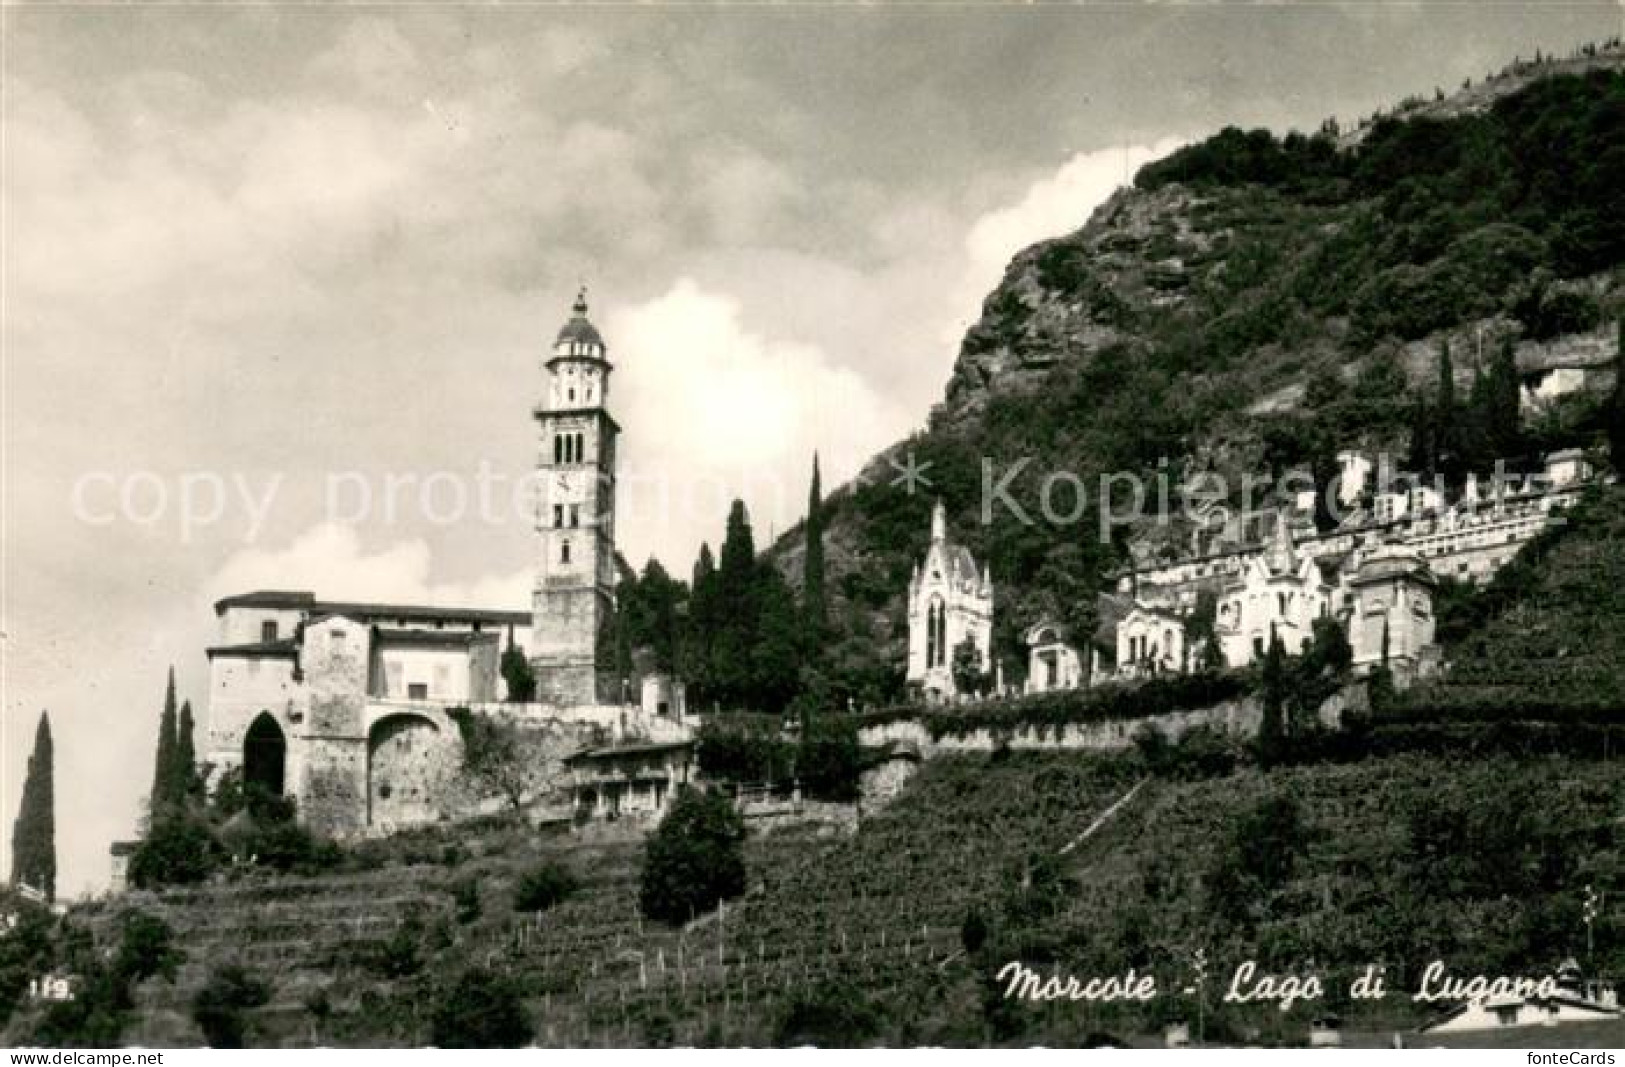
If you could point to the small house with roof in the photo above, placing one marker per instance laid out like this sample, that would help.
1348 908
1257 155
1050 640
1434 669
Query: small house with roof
616 781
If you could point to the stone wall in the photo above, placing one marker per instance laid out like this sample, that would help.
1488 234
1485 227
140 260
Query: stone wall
331 746
1232 716
411 761
880 784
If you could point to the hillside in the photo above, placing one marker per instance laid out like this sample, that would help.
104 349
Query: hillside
1421 835
1252 303
1397 860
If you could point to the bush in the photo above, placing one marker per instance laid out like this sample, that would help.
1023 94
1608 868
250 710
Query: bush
829 760
220 1007
146 948
465 894
544 887
1112 702
1200 752
402 955
177 851
831 1016
744 748
480 1010
694 859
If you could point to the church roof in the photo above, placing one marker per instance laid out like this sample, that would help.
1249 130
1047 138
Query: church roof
1393 561
957 557
307 602
579 328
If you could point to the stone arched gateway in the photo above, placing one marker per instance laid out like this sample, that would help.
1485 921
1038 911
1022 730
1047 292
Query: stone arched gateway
265 754
411 760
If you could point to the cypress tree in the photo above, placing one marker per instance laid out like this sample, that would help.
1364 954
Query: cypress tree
162 773
33 835
1446 440
185 769
814 605
1423 456
1272 683
702 627
1504 408
516 672
737 609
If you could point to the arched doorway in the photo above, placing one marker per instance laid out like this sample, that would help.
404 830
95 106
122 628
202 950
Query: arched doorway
265 754
409 762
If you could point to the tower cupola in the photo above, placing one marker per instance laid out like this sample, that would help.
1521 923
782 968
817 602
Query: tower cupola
579 337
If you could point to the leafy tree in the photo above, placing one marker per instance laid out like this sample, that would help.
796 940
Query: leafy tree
516 673
1316 675
1201 632
495 757
480 1010
969 678
652 606
695 858
33 835
220 1007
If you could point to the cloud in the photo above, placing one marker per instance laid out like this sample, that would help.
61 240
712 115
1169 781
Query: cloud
1055 205
330 561
714 410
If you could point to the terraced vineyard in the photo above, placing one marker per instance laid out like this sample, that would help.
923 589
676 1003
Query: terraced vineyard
1400 860
1558 647
1480 863
879 911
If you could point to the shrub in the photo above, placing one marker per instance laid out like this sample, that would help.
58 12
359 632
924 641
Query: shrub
146 948
402 955
828 761
544 887
480 1010
220 1007
831 1016
465 894
694 859
177 851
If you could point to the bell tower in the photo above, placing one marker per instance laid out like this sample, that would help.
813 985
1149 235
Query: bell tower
575 518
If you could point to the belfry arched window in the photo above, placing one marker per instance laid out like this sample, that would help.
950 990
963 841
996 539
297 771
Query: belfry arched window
936 633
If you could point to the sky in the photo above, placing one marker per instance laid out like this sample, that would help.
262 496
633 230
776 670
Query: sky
278 280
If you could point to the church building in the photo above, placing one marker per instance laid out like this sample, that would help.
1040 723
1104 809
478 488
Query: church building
950 601
344 706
